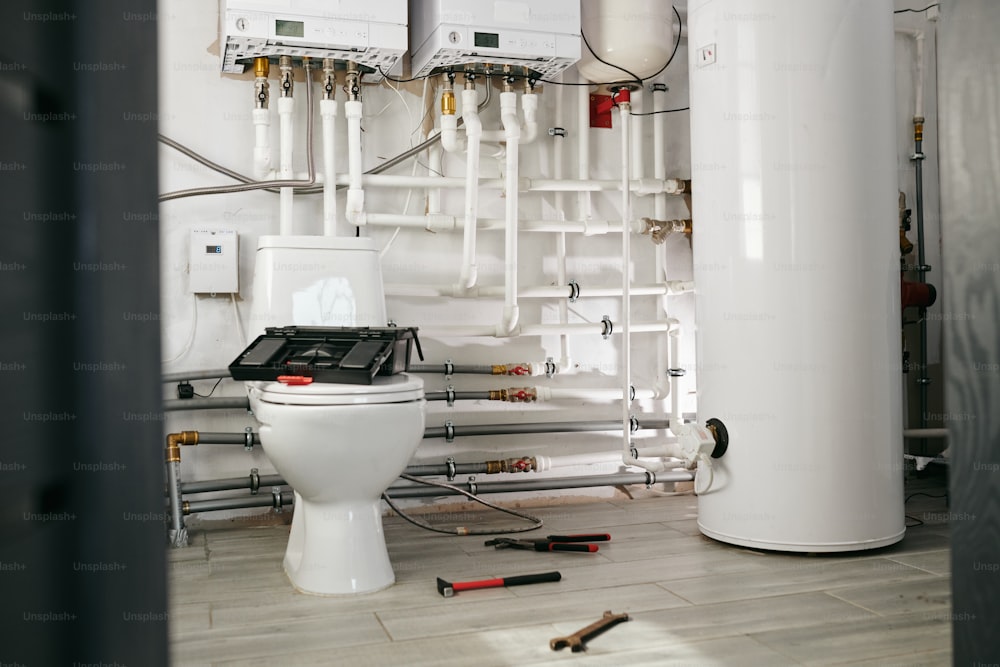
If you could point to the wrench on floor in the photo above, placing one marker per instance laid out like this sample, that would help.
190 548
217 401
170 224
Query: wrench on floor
578 640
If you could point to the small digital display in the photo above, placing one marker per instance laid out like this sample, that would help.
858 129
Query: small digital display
488 39
289 28
213 249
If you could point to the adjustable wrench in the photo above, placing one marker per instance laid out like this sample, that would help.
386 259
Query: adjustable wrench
578 641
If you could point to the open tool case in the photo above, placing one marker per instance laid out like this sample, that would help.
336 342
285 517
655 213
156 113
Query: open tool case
343 355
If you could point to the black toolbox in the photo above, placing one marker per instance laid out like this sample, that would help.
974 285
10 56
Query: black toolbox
342 355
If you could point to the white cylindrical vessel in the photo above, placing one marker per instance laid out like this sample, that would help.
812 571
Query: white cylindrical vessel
636 35
796 268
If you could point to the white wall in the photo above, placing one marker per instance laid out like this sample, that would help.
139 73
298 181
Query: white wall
210 113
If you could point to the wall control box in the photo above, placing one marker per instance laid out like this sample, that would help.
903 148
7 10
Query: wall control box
541 35
372 33
214 261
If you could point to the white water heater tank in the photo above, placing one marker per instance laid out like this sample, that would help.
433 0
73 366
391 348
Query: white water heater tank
796 269
637 35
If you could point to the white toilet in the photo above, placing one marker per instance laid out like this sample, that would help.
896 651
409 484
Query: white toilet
338 445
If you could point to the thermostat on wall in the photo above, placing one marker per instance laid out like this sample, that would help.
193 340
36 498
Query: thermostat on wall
214 261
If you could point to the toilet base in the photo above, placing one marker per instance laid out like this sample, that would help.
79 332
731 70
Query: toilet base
338 548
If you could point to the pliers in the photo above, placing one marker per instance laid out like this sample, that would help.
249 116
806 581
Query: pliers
551 543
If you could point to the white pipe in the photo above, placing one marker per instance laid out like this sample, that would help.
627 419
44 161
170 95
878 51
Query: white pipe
473 134
638 141
675 395
512 131
262 145
558 394
286 106
441 222
328 112
918 81
647 186
565 360
435 169
355 209
925 433
659 153
534 292
584 207
571 329
663 380
529 128
545 463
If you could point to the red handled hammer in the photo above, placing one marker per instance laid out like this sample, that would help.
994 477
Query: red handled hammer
448 589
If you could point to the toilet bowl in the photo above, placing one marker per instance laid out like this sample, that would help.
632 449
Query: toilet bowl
338 445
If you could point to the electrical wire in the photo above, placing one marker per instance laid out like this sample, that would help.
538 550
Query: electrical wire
190 340
653 113
917 11
239 322
211 392
921 493
462 530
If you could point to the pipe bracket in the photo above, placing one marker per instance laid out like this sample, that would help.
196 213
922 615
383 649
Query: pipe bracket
606 327
450 395
676 372
449 367
472 485
452 468
557 132
550 367
633 421
574 291
254 481
650 479
449 431
658 87
248 439
276 498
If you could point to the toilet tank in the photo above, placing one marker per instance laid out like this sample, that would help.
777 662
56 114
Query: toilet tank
316 281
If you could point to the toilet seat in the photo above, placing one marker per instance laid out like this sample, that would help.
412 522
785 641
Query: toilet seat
399 388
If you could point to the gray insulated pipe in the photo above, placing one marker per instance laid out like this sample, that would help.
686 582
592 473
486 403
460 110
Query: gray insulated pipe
285 498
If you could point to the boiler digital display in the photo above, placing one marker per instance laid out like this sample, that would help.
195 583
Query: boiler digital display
487 39
289 28
213 249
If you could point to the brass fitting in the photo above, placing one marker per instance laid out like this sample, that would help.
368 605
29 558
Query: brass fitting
174 442
498 394
261 67
511 369
185 507
523 464
448 103
918 128
508 80
518 395
353 81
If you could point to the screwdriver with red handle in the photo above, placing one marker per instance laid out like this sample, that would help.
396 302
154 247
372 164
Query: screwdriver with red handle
552 543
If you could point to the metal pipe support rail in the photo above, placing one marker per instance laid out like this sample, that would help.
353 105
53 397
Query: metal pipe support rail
280 499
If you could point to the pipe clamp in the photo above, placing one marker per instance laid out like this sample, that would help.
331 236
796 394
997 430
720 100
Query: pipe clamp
254 481
449 431
606 327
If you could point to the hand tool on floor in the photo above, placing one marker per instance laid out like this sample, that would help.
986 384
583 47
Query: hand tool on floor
448 588
578 640
551 543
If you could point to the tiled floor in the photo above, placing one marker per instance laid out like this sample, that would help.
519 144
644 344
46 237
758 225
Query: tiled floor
692 601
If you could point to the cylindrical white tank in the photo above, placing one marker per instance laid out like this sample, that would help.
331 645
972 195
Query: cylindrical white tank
796 268
634 34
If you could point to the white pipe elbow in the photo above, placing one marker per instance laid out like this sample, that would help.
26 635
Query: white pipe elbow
355 194
449 134
529 105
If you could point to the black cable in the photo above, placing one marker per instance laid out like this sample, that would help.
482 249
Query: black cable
211 392
917 11
635 77
537 523
914 525
921 493
652 113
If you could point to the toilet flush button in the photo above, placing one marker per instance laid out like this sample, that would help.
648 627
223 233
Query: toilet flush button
294 379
